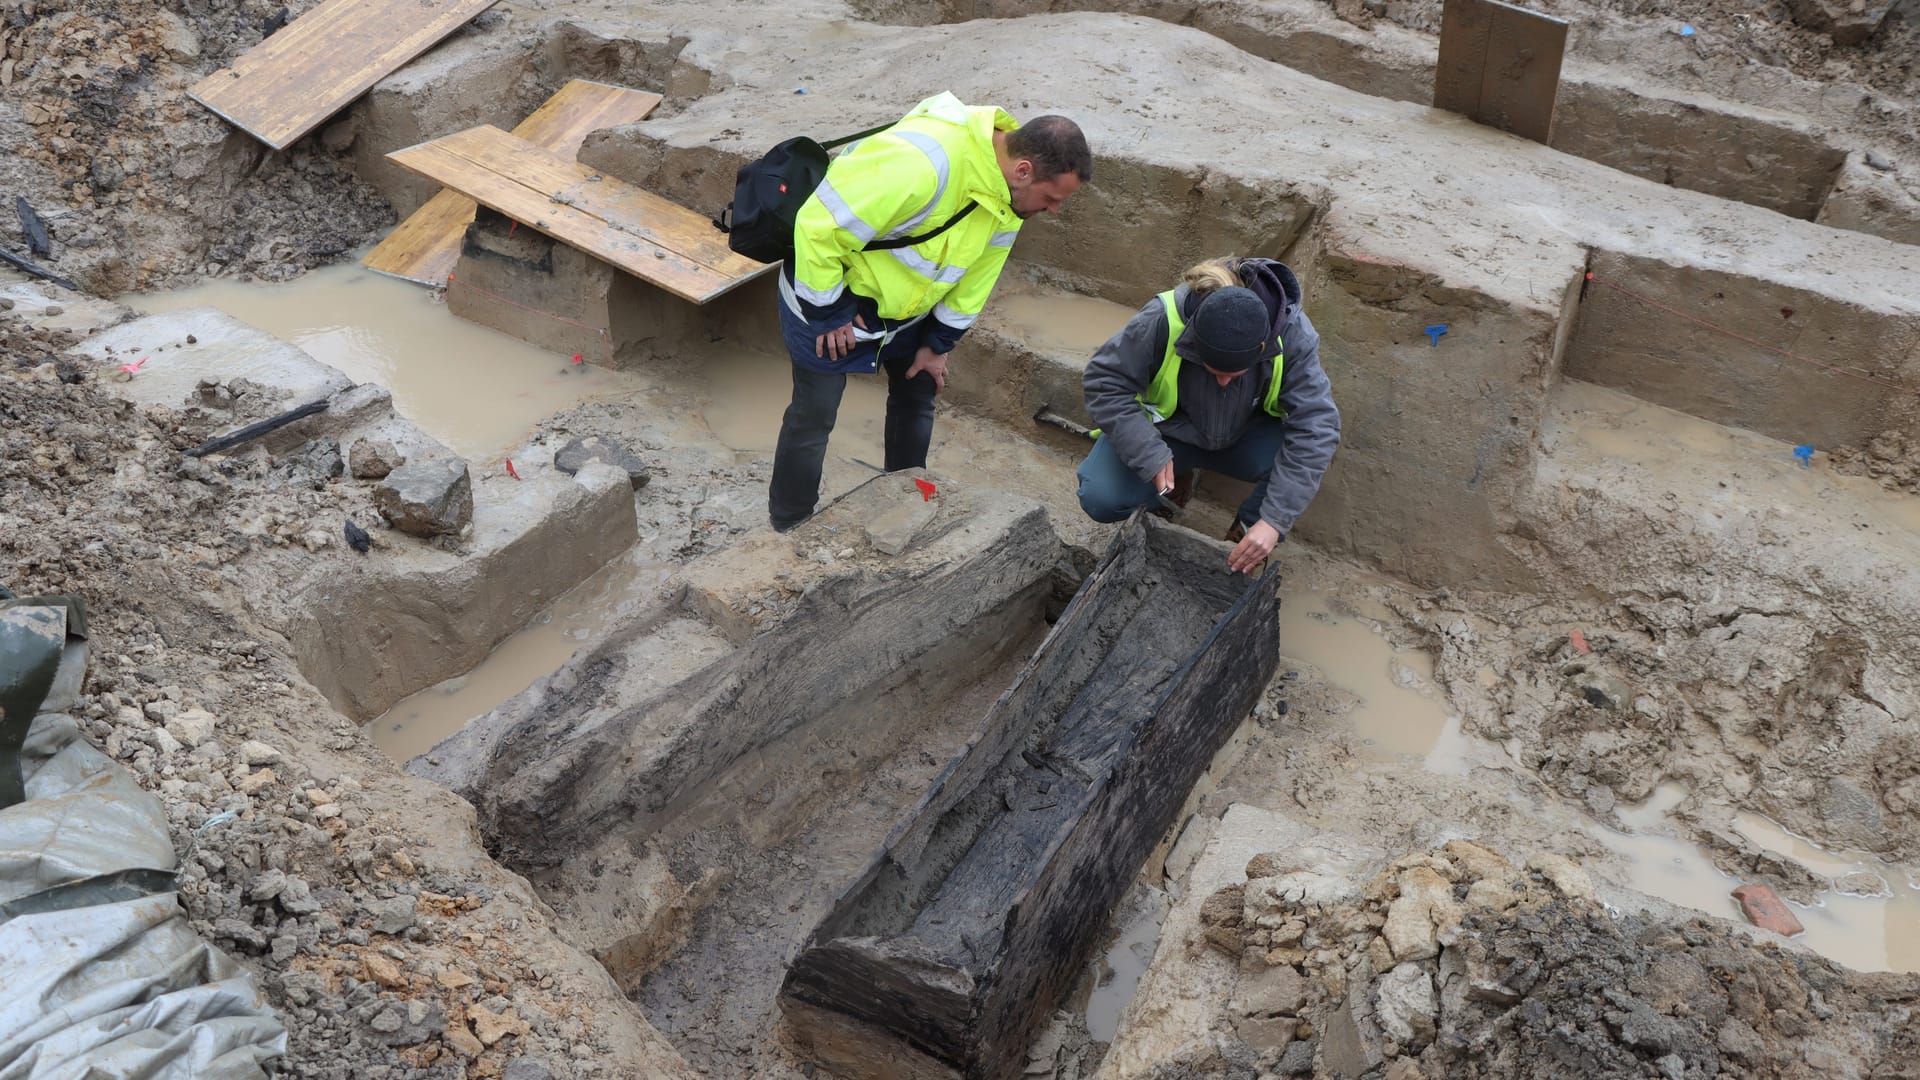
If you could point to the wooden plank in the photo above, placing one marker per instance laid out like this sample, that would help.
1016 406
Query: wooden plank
637 231
425 247
656 220
1500 65
581 108
1462 67
982 907
293 81
1524 50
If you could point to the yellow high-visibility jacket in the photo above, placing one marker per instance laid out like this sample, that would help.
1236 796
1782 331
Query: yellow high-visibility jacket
909 179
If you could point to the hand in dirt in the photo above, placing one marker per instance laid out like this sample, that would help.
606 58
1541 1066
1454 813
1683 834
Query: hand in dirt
1253 548
933 363
838 343
1163 480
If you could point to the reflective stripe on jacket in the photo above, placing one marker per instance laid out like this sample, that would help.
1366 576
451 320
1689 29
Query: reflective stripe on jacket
909 179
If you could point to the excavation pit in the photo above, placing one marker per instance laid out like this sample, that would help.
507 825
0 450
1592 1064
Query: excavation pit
973 918
1590 592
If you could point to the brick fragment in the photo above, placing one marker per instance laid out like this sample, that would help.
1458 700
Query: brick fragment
1767 911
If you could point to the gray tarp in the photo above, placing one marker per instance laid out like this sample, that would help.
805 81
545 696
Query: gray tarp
101 977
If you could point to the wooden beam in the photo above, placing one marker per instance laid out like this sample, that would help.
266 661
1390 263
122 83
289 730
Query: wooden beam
1522 79
292 82
976 916
425 247
634 230
1500 65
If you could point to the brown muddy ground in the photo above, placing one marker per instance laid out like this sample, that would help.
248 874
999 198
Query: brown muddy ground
394 948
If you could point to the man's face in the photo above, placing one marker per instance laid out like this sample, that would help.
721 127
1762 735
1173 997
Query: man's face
1222 377
1031 196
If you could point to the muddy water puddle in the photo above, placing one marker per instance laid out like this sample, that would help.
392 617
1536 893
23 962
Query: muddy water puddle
1651 436
746 392
581 616
1864 932
1122 966
1400 711
1061 324
477 390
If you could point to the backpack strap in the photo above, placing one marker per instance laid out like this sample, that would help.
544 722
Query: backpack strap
900 242
857 136
909 241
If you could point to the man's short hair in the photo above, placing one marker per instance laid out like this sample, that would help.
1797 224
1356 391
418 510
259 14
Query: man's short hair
1055 145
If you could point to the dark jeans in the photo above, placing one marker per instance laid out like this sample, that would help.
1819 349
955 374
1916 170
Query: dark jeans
1109 490
802 449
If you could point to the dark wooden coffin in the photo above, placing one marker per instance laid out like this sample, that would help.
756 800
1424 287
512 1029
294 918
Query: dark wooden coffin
979 911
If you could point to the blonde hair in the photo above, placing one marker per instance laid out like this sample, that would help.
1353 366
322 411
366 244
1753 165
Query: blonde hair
1213 274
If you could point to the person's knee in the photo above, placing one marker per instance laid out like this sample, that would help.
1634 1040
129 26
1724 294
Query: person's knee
1101 502
1104 512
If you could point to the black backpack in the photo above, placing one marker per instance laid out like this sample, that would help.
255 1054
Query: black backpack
768 193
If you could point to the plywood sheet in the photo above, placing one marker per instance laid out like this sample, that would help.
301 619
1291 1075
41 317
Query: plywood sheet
1524 50
425 247
292 82
635 230
1462 66
1500 65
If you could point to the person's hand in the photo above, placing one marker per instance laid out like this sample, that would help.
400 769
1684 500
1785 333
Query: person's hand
1163 480
933 363
1253 548
838 343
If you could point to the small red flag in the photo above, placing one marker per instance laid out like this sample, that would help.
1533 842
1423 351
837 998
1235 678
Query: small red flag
927 489
576 358
510 471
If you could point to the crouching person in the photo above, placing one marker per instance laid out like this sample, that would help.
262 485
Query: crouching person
1221 372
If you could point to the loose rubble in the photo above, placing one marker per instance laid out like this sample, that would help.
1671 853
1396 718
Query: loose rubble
388 942
1456 962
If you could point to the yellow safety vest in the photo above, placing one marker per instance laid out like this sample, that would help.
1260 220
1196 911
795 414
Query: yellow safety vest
1162 395
910 179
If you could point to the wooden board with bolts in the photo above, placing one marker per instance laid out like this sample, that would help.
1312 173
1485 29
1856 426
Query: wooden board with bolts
1500 65
632 229
425 247
309 70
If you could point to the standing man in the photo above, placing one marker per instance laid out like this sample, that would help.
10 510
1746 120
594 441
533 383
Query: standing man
845 309
1220 372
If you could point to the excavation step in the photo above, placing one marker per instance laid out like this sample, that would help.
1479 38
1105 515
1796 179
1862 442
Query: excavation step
604 751
978 912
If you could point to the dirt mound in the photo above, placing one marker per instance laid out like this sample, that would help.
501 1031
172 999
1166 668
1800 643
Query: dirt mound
359 898
1456 962
138 184
1721 31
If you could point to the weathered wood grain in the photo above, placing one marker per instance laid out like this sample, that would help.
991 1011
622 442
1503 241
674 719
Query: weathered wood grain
632 229
292 82
425 247
978 913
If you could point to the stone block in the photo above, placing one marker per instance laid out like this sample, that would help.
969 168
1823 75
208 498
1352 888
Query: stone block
576 454
427 498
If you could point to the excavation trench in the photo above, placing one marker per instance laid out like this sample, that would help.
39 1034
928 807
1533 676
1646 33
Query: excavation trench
730 760
696 738
1722 148
719 845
